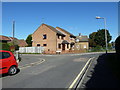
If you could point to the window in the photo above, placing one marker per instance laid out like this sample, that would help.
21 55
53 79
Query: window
71 38
44 44
62 37
71 45
85 46
0 55
44 36
67 45
58 37
4 55
59 46
38 44
48 49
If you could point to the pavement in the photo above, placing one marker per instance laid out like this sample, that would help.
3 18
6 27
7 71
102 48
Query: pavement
99 75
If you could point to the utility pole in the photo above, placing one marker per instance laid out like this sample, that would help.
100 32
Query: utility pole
13 31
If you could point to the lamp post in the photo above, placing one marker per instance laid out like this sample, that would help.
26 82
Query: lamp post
105 30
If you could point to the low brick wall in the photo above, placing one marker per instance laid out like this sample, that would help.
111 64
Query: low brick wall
49 52
74 51
65 52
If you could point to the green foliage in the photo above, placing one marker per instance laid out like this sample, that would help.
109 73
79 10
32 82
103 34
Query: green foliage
29 40
97 49
10 43
100 37
117 45
109 46
16 47
92 43
4 46
15 44
92 35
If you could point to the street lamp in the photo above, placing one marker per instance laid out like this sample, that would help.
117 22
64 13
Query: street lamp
105 30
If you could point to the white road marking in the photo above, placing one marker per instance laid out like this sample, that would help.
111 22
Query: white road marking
31 64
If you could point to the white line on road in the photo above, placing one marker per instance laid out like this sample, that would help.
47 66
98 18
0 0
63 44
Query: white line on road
31 64
76 79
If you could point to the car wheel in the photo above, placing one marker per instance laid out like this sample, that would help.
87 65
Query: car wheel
12 70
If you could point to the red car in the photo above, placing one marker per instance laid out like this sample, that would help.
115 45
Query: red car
8 63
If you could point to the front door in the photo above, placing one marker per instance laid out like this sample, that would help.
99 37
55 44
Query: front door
63 46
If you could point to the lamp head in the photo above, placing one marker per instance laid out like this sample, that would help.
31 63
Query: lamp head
97 17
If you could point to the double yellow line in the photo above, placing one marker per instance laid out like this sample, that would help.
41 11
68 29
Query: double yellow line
78 76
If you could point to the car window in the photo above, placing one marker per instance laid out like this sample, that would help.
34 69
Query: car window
0 55
4 55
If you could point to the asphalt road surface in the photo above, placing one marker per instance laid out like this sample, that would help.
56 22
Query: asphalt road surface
47 71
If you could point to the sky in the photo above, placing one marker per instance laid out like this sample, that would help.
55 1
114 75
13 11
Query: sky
75 17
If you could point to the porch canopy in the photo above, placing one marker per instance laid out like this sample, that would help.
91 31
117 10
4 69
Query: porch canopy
65 42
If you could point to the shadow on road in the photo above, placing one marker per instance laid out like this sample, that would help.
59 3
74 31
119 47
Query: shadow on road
5 75
102 74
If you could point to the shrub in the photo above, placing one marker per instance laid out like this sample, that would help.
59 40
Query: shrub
16 47
97 49
4 46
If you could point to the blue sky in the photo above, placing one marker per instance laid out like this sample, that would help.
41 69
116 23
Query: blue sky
75 17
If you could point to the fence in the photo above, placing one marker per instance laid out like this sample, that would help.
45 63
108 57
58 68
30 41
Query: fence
31 49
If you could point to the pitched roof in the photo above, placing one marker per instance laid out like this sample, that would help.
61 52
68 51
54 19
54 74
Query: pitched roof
5 38
13 38
65 31
22 43
53 29
82 38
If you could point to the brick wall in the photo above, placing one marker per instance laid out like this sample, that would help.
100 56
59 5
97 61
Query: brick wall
50 40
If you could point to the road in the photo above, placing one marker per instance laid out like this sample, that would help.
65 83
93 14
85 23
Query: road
47 71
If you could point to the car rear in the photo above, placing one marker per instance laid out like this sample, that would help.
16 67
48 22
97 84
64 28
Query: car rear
8 62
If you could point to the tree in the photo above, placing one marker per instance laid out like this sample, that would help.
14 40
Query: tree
100 37
92 43
29 40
